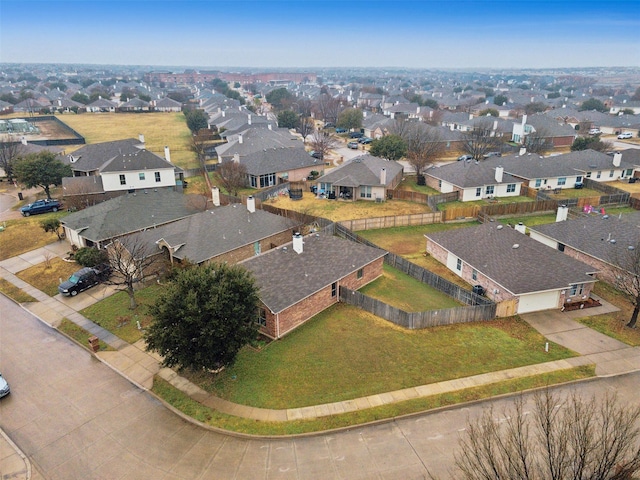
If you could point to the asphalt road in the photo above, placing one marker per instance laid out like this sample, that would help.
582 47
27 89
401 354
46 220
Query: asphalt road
75 418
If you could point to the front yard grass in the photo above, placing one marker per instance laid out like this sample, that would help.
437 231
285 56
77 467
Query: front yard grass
79 334
406 293
113 313
46 277
338 210
11 291
614 324
345 353
25 234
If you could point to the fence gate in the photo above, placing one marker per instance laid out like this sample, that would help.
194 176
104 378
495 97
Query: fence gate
507 308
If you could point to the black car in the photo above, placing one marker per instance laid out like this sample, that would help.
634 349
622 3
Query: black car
356 135
83 279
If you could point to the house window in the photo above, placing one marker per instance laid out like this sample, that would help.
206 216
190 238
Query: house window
334 289
359 273
610 173
599 174
440 184
365 192
262 317
538 182
459 265
576 290
511 187
474 274
588 174
157 176
141 176
579 179
489 190
267 180
562 181
123 181
478 191
561 247
253 181
257 249
629 172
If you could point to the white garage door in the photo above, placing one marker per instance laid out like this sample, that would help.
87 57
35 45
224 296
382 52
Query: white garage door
538 301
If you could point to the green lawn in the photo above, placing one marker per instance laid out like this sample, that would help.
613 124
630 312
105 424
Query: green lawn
461 204
406 293
113 313
345 353
410 183
79 334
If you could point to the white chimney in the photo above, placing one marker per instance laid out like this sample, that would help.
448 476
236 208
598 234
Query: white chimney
240 138
495 124
617 158
562 214
141 138
524 120
23 140
224 114
167 154
499 172
522 151
383 176
251 204
471 116
249 119
215 196
269 127
236 157
521 228
297 243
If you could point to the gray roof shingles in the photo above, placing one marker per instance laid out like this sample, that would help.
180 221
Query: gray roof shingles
362 170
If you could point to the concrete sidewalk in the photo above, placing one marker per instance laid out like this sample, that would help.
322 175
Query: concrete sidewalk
140 367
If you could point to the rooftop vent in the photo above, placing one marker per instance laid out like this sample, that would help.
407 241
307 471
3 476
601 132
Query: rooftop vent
516 245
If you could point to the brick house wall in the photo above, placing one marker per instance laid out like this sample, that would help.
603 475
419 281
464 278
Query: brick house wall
247 251
606 271
284 322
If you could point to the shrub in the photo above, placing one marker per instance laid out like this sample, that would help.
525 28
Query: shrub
90 256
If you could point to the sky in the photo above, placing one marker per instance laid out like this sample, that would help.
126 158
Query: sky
436 34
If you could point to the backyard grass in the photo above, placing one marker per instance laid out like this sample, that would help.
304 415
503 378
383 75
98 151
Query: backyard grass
196 410
25 234
614 324
345 353
46 276
113 313
79 334
461 204
406 293
410 183
338 210
11 291
159 129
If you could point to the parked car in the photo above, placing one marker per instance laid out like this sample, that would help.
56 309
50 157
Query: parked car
353 145
40 206
365 140
315 154
83 279
595 131
492 154
624 135
4 387
329 125
464 158
356 135
341 130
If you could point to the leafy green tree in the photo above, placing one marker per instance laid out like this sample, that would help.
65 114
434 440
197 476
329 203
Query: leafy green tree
144 97
593 104
196 120
288 119
350 118
500 99
535 107
9 98
391 147
492 112
51 225
80 98
430 102
42 169
90 256
204 316
593 143
628 111
553 95
280 98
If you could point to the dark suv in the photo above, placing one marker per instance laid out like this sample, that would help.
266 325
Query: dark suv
84 278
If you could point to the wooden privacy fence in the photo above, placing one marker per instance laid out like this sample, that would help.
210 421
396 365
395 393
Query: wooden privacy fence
417 320
459 213
393 221
407 195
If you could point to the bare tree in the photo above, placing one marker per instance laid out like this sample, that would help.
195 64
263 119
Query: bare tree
233 176
626 261
538 142
595 439
132 259
424 145
322 141
306 126
328 108
481 139
9 151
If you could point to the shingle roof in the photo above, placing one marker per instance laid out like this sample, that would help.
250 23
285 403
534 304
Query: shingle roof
129 213
274 160
470 174
592 235
208 234
362 170
257 139
286 277
531 267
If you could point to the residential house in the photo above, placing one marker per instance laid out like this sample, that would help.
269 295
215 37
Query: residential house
511 267
362 178
167 104
303 278
598 240
134 105
126 214
555 133
375 125
102 105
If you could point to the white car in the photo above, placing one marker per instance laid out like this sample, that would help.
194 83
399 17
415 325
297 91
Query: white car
595 131
4 387
624 135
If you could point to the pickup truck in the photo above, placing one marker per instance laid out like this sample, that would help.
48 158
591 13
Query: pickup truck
40 206
83 279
